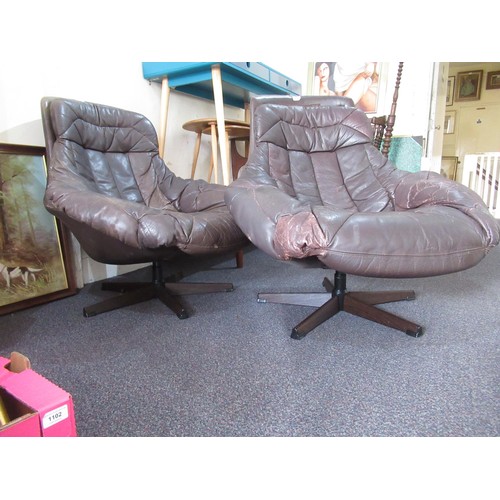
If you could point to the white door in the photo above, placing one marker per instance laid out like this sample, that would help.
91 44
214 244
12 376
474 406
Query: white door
434 146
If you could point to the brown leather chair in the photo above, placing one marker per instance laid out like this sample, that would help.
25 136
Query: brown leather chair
315 186
108 185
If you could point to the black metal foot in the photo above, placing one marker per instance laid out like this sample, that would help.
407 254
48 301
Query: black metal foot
297 335
418 332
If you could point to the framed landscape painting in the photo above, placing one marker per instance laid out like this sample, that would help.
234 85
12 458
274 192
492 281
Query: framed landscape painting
34 265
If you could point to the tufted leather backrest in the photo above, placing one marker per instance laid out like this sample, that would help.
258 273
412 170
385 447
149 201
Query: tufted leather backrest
102 128
320 151
114 151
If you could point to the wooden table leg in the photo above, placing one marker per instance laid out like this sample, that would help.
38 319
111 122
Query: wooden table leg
213 163
165 96
228 155
210 169
221 125
247 119
196 154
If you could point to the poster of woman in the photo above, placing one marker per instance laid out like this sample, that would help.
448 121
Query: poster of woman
357 80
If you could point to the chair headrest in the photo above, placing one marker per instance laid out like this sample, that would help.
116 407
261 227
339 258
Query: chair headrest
310 124
100 127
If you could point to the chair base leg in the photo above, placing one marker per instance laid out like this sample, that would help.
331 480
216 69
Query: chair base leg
141 293
167 292
337 299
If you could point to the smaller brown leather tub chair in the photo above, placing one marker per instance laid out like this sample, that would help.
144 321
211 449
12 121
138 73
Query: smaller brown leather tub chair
108 185
315 186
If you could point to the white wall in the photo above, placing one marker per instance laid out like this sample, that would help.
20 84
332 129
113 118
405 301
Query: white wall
412 111
465 136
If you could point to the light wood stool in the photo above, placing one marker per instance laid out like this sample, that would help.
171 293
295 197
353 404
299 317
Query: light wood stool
235 130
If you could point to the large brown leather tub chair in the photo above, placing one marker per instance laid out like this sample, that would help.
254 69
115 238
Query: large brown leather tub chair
315 186
108 185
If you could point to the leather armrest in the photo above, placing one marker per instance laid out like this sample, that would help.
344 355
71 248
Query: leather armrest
112 216
200 195
429 188
256 204
189 195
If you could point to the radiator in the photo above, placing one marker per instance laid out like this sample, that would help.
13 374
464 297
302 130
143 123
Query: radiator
481 173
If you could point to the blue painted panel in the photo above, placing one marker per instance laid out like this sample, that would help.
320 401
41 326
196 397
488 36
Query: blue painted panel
239 79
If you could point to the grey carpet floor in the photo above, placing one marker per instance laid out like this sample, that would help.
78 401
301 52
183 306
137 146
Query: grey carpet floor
231 368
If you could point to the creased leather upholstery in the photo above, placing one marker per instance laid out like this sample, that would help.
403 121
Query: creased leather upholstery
107 183
315 186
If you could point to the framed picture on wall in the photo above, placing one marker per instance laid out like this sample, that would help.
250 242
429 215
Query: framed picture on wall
449 167
34 266
493 80
450 90
468 85
358 80
449 122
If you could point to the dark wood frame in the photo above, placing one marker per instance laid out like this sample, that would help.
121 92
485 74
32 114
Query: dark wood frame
491 81
61 235
477 77
384 125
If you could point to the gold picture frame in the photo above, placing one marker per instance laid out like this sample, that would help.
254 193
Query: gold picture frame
34 264
468 85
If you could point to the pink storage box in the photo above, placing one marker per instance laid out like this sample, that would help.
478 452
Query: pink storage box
36 406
